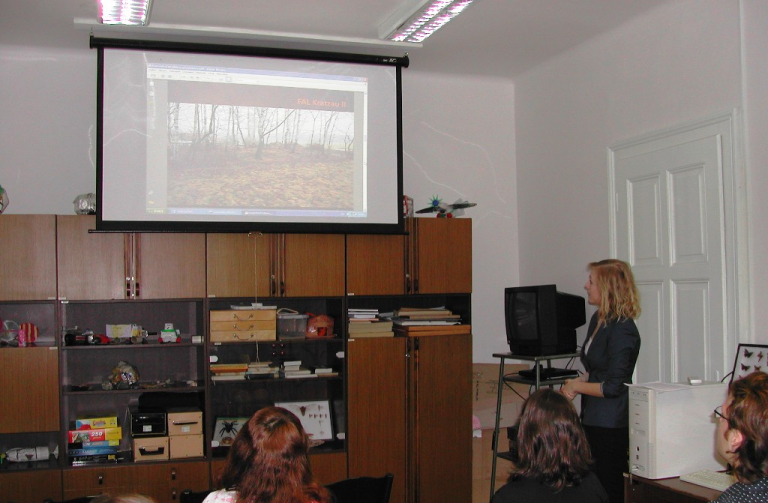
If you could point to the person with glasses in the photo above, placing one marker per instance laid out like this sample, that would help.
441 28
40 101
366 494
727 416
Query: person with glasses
609 356
742 438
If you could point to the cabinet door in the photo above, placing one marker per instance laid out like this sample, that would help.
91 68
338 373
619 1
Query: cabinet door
170 266
238 265
29 389
327 468
79 482
376 411
440 411
443 255
312 265
34 486
166 481
375 264
91 265
28 268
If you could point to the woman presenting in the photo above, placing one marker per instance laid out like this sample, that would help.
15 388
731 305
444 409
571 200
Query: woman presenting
609 356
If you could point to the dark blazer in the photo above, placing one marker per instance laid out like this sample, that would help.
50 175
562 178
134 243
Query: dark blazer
610 360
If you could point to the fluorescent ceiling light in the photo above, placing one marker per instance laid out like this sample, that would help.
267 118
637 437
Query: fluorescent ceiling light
128 12
414 23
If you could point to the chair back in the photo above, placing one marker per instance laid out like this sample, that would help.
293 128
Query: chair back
362 489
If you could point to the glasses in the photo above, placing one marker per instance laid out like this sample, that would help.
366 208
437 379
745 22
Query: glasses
719 412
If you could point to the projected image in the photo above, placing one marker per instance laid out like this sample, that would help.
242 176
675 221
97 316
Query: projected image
220 156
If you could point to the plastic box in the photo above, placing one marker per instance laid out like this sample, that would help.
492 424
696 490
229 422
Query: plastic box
291 326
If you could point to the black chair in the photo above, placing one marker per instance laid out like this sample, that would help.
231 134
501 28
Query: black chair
193 497
362 489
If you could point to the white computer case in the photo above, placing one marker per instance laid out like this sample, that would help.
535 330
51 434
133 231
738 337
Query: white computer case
672 429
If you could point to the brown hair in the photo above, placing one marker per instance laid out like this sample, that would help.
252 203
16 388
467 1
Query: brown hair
748 413
618 294
268 461
551 444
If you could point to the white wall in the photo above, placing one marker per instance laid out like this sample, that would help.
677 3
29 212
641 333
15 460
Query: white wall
678 63
459 136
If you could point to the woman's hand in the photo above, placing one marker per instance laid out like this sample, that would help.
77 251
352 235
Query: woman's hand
569 388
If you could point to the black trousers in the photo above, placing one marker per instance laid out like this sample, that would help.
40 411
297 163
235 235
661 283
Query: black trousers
610 450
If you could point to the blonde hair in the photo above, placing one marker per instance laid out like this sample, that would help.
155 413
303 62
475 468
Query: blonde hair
123 498
618 294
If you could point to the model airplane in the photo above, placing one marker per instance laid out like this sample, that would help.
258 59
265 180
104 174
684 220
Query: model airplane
446 210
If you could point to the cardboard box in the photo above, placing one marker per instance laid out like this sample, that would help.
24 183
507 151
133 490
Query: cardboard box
186 446
485 388
184 422
95 422
96 435
150 448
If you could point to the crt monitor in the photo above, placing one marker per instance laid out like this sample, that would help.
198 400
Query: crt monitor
541 321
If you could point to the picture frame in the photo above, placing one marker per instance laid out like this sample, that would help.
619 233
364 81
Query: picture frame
226 429
315 416
749 358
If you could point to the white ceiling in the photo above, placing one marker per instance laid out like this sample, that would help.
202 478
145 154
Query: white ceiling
492 38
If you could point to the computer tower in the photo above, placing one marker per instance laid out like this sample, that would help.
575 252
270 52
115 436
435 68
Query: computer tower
672 428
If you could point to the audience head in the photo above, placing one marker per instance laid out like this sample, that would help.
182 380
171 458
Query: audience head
742 435
268 460
551 444
615 283
122 498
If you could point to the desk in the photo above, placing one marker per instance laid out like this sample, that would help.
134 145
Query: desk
672 490
536 382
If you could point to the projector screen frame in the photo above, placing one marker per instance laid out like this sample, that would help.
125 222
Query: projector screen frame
114 225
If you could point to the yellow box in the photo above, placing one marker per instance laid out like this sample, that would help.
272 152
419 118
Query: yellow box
95 422
150 448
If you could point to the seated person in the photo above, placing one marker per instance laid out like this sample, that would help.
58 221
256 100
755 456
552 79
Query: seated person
742 438
268 463
552 458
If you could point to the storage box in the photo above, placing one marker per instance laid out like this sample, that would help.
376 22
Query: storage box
186 446
95 422
148 422
291 326
150 448
184 422
95 435
243 326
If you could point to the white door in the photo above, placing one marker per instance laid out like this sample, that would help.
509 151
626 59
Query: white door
670 226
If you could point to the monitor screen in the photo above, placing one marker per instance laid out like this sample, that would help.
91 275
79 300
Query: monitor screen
236 139
541 321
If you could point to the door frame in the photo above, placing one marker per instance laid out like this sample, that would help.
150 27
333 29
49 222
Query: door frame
737 308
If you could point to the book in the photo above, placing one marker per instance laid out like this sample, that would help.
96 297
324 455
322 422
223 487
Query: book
102 443
417 331
363 316
371 335
92 459
406 322
363 310
220 368
300 376
94 435
91 422
430 316
375 326
296 372
323 370
421 310
237 377
92 451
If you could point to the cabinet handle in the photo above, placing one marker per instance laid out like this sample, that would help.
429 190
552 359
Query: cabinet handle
237 336
282 289
138 290
173 475
173 495
101 479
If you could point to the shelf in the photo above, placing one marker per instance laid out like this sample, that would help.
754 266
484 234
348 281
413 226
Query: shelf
149 345
542 382
95 389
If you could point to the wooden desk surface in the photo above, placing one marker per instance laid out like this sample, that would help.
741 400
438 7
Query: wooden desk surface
672 490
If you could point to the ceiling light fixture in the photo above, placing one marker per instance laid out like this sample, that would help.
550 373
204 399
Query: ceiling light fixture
414 23
125 12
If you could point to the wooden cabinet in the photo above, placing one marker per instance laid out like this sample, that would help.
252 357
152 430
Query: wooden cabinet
103 266
375 264
275 265
107 479
376 418
165 482
29 390
28 266
440 415
439 255
30 486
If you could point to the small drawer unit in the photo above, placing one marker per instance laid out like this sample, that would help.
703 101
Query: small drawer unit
150 449
250 325
185 433
147 422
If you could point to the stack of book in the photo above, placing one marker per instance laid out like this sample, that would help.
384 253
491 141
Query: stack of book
428 321
228 371
325 372
261 370
92 446
293 370
368 323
